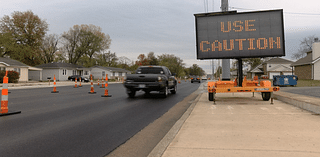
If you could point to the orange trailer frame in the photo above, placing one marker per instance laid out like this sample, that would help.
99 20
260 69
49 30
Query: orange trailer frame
247 86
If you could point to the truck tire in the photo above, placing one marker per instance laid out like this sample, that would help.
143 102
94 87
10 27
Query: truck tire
174 90
165 92
266 96
131 93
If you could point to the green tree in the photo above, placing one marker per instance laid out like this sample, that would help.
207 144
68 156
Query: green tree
196 70
133 67
85 41
24 32
152 59
107 59
175 64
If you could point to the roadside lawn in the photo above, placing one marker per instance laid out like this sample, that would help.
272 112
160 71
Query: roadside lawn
308 83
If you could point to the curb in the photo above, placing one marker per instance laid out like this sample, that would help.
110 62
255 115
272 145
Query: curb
303 104
161 147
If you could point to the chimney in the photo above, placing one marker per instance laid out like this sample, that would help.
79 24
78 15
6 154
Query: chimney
315 49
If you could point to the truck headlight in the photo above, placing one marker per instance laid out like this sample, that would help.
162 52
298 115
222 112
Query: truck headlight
159 79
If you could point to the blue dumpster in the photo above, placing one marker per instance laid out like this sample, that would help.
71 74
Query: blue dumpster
284 80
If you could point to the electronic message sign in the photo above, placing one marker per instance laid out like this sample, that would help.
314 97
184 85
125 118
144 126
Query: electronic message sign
224 35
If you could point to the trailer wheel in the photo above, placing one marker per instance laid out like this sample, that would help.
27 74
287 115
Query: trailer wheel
266 96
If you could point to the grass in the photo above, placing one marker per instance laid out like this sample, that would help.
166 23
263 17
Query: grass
305 83
308 83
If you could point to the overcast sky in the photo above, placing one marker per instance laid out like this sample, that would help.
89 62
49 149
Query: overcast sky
162 26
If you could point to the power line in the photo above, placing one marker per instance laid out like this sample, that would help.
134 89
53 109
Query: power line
283 12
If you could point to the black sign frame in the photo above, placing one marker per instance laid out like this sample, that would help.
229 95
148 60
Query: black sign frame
267 46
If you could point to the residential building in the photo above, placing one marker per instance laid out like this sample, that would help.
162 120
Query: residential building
271 67
309 66
113 73
61 71
14 65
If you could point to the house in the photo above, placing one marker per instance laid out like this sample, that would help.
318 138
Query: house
309 66
61 71
234 73
113 73
14 65
271 67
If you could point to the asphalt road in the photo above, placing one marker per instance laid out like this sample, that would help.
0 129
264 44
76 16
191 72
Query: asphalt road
75 123
308 91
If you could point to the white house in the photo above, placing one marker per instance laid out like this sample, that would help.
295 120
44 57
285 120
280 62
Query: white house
274 66
113 73
61 71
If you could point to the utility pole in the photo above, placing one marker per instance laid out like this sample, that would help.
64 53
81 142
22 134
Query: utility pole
225 62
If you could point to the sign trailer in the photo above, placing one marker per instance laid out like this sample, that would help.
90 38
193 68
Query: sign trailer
232 35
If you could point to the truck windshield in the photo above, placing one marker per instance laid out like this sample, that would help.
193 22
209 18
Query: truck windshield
150 71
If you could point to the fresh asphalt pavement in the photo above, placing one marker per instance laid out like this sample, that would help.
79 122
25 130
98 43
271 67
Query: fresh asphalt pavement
308 91
76 123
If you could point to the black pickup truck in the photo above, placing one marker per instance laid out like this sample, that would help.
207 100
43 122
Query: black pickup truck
151 78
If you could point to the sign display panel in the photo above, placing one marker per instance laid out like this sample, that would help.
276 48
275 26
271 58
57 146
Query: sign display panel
226 35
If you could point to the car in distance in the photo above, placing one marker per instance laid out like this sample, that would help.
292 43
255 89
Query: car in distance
195 79
151 78
73 77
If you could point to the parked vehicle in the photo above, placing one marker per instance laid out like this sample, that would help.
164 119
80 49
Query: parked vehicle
195 79
73 77
151 78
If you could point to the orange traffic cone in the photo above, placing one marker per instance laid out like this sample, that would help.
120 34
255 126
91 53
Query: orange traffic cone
106 94
4 98
54 85
102 83
80 82
75 83
92 90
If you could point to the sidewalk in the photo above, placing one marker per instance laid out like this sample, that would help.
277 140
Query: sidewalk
242 125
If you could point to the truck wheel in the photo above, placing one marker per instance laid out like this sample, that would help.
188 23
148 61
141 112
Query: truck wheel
165 92
131 93
266 96
174 90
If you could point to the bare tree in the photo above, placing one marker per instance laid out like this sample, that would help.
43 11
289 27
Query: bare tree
49 47
305 46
